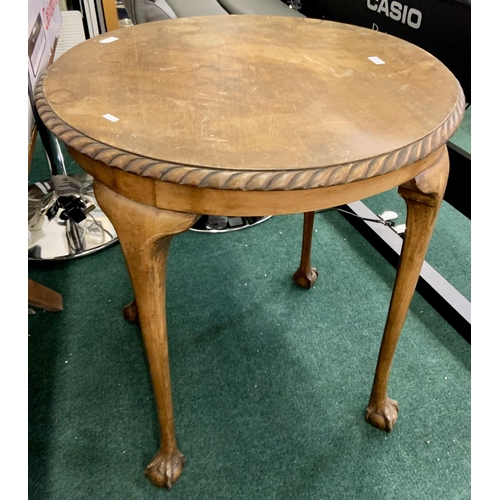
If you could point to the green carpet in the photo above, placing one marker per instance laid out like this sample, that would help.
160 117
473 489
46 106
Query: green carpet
270 382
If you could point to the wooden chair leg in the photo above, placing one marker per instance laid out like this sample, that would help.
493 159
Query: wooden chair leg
423 196
145 233
306 276
43 297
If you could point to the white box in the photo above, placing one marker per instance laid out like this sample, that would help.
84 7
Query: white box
44 24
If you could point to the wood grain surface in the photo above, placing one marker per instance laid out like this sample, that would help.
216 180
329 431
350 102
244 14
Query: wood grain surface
251 102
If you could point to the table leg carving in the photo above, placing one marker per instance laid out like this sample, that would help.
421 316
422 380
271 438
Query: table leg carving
145 233
306 276
423 196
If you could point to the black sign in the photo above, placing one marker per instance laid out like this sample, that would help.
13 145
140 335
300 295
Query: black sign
441 27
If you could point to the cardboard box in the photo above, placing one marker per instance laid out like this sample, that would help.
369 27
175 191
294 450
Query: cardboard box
44 24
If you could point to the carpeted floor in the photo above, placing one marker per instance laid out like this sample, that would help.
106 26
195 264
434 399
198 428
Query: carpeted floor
270 382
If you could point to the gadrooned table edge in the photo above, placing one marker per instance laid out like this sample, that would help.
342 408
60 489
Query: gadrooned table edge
238 180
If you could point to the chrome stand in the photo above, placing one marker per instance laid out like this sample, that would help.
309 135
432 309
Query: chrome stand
223 224
52 235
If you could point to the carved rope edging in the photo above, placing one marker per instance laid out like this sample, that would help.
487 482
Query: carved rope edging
269 180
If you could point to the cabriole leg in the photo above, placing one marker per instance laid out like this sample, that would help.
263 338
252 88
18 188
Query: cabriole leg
423 196
144 233
306 276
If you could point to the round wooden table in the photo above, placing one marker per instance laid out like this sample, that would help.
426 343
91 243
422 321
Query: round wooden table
251 116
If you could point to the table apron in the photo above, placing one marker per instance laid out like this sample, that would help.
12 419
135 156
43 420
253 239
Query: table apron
191 199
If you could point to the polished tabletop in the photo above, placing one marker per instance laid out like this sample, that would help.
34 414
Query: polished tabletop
252 102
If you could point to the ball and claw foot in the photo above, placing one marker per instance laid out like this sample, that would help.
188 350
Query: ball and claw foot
383 417
130 313
164 470
305 280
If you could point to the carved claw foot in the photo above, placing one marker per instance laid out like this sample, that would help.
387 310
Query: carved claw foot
164 470
305 279
383 417
130 312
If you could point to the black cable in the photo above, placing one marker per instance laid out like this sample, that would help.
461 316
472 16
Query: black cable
378 221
